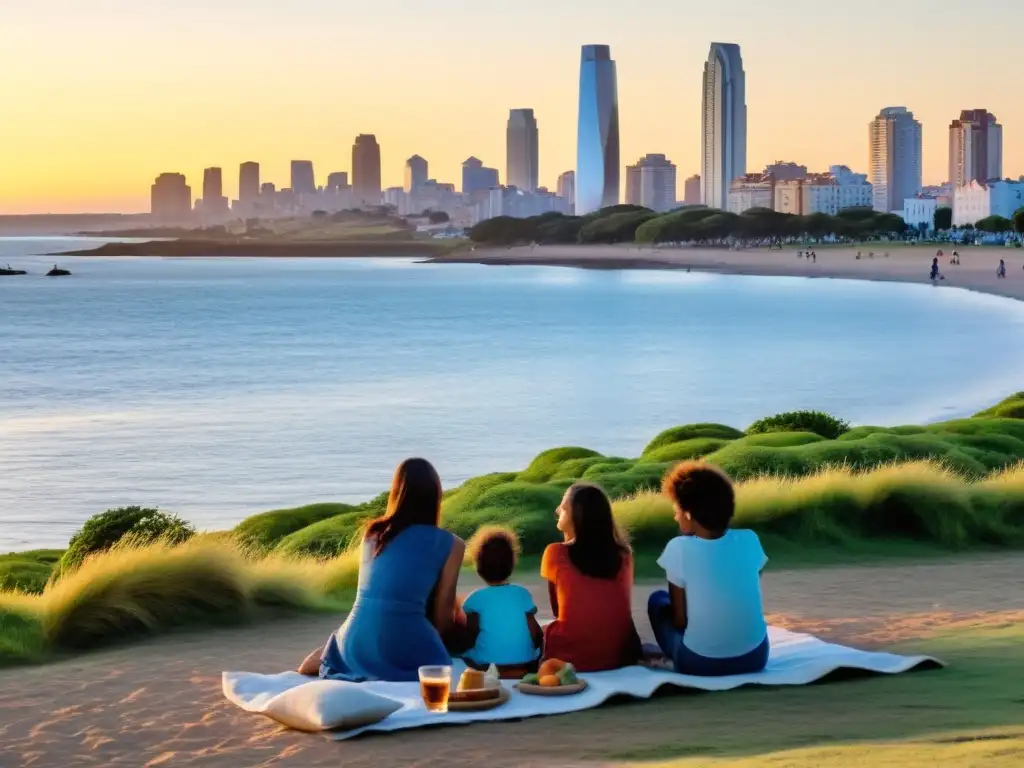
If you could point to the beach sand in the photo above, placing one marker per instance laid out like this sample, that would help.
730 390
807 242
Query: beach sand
160 703
905 264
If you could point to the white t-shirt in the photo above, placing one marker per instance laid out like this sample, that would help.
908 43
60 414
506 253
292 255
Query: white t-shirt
725 615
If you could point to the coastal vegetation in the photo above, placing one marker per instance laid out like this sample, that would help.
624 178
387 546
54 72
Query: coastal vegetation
813 488
633 224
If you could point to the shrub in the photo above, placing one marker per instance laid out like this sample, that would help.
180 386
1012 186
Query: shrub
694 448
23 575
544 466
325 539
1010 408
801 421
691 432
262 532
101 532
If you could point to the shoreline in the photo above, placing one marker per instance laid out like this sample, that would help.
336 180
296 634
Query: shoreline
905 264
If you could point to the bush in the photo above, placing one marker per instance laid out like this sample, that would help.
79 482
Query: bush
544 467
694 448
692 432
17 575
262 532
1010 408
101 532
325 539
801 421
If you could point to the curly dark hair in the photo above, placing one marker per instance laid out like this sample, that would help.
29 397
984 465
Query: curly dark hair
704 491
494 551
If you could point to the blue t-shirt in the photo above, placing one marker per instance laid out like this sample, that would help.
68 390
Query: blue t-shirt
504 634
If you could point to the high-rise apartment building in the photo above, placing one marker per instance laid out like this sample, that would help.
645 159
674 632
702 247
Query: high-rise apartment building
248 183
170 198
691 190
895 158
522 156
303 180
975 148
597 138
366 170
567 189
724 124
475 177
651 182
416 173
785 171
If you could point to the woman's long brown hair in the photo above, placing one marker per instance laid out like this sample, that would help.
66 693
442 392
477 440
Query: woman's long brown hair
599 549
415 499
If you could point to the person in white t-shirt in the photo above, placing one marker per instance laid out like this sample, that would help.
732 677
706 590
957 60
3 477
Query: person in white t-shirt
710 622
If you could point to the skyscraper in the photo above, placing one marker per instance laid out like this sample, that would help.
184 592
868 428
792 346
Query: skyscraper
521 150
303 180
895 158
248 183
691 190
366 169
724 128
475 177
597 138
215 205
170 198
567 189
975 148
337 181
416 173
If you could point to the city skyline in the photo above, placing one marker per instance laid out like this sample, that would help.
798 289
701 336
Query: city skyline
70 143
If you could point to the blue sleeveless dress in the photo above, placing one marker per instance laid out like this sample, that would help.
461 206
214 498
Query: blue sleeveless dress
387 635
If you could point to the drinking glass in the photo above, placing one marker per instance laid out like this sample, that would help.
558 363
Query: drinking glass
435 687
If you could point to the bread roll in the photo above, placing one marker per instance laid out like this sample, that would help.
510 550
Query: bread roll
472 680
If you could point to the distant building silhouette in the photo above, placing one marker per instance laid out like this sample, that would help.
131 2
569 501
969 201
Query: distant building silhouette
366 169
416 173
337 181
691 190
475 177
170 199
303 180
522 169
567 189
597 138
652 183
248 184
894 138
975 148
215 204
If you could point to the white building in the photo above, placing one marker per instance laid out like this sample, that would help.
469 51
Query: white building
830 193
920 211
567 189
896 164
652 183
754 190
516 203
973 202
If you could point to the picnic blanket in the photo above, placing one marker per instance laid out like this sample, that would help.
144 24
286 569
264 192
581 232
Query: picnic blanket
796 659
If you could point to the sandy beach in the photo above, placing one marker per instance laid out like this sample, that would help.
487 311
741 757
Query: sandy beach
905 264
160 703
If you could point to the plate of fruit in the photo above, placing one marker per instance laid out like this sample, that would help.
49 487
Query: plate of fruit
554 678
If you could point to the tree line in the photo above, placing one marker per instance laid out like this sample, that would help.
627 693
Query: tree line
635 224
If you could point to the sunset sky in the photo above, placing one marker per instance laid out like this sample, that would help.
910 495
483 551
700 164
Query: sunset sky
97 97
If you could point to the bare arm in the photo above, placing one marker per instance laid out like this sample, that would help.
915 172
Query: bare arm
311 664
553 595
447 583
678 596
536 631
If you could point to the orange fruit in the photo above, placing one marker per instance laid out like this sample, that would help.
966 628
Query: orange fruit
550 681
550 667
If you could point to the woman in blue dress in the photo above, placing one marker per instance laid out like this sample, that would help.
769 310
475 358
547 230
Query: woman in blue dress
406 614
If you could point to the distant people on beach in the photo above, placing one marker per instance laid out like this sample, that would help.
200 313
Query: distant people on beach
935 274
1001 271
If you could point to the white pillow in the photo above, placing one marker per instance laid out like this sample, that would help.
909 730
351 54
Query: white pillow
322 705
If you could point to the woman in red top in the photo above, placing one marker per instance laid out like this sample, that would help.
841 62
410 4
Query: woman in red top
590 580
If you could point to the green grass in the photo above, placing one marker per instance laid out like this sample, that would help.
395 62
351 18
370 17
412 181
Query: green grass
28 571
970 714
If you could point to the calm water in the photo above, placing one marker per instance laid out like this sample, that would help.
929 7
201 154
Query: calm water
220 388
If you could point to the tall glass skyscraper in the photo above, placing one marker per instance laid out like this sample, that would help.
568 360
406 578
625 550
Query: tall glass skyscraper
522 152
724 130
597 140
895 159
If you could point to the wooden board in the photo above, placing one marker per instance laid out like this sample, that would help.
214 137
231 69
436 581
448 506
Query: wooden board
479 706
545 690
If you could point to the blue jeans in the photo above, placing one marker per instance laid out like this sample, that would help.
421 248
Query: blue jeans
686 662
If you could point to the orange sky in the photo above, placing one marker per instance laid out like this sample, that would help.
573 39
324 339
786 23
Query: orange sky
98 97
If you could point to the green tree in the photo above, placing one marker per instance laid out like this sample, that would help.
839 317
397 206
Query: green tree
888 223
994 224
617 228
943 220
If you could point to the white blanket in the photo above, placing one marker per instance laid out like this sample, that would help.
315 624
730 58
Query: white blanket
796 659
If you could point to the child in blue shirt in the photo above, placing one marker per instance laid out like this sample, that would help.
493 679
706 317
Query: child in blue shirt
505 614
